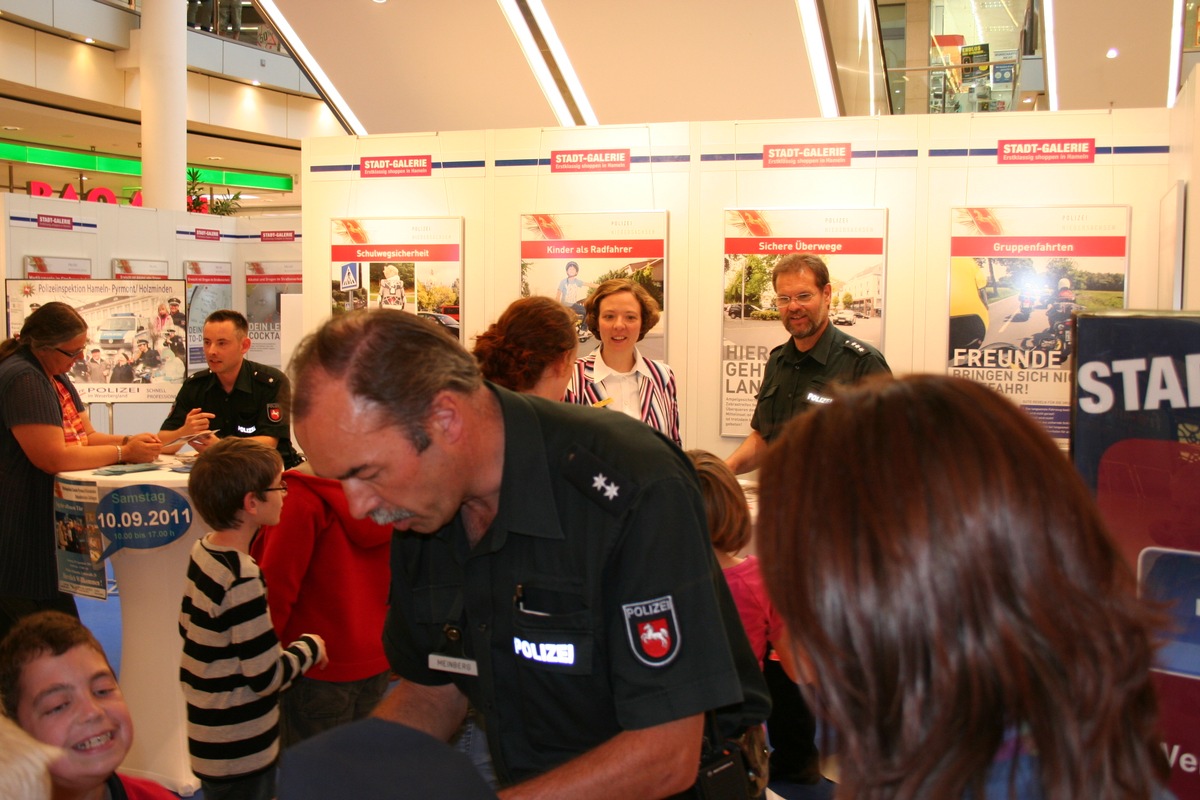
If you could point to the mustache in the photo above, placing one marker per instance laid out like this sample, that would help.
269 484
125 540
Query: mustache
390 515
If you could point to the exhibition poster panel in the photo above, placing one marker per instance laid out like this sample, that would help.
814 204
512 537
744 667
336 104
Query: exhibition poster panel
266 281
139 269
134 353
1017 277
566 256
411 264
79 549
51 268
208 289
853 245
1136 442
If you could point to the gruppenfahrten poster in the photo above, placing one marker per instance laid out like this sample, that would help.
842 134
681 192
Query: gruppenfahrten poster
1017 277
852 243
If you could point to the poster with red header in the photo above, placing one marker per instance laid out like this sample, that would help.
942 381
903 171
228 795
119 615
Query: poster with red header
853 244
1017 278
266 282
411 264
209 289
566 256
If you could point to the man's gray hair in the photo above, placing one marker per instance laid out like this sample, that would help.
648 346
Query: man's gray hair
395 361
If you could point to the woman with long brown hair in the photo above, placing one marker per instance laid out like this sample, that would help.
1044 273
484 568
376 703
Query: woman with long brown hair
970 628
45 429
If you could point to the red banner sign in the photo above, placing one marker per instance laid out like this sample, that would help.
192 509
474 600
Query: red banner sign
789 156
1046 151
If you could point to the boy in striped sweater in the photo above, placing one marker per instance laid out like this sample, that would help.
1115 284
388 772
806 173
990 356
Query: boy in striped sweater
233 666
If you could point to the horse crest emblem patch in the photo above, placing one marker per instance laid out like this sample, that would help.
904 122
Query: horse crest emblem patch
653 630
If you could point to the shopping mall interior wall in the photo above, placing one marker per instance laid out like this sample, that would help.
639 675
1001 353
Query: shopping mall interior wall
918 168
102 232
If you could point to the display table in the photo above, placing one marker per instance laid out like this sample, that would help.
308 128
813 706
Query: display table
149 527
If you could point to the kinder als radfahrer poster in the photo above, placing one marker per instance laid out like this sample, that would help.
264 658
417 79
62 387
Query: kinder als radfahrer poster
853 245
566 256
1017 278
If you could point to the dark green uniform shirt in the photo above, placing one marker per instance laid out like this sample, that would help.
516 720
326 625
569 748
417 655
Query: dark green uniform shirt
793 381
253 408
593 604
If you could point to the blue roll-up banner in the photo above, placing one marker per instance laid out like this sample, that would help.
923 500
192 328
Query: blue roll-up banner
1136 441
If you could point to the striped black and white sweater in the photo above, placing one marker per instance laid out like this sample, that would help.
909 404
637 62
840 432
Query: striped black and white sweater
233 667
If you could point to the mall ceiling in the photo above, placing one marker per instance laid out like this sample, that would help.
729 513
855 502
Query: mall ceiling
413 65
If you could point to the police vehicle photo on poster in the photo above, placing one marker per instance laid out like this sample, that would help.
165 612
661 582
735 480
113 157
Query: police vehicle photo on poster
411 264
853 245
135 353
566 256
1017 278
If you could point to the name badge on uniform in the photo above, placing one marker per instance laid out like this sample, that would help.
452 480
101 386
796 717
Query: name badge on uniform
461 666
813 397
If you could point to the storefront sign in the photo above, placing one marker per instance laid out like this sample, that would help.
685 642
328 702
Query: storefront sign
589 160
395 166
1046 151
97 194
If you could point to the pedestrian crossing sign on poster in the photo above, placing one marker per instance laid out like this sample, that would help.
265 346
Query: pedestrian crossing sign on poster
349 276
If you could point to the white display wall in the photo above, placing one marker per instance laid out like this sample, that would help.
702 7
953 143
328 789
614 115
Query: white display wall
102 232
918 168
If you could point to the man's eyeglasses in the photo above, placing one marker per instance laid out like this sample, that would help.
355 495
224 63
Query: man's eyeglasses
282 487
72 354
785 300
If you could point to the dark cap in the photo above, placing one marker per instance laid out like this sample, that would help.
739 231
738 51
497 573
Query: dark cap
173 301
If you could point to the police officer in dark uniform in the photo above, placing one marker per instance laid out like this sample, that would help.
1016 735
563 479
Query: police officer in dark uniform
177 316
550 565
802 370
799 374
234 396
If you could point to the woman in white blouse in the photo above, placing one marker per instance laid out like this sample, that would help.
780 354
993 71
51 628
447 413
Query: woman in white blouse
616 375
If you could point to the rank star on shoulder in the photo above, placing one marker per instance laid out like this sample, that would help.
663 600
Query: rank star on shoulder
599 482
610 491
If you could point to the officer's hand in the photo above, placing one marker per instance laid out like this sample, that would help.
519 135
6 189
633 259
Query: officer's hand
196 421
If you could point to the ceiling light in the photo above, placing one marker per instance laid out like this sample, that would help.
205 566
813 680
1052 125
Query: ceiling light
214 158
1176 49
11 128
301 54
381 2
543 64
813 31
89 40
1051 55
1112 53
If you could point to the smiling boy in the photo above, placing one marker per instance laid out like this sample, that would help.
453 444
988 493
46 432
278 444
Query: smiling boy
57 685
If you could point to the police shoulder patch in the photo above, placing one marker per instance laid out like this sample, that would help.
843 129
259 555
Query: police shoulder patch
274 412
600 482
653 630
263 376
857 347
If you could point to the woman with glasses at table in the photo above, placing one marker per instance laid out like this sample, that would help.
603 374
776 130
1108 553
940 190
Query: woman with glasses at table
44 429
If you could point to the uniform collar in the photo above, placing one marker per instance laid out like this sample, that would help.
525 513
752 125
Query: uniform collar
819 352
526 491
602 370
243 381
